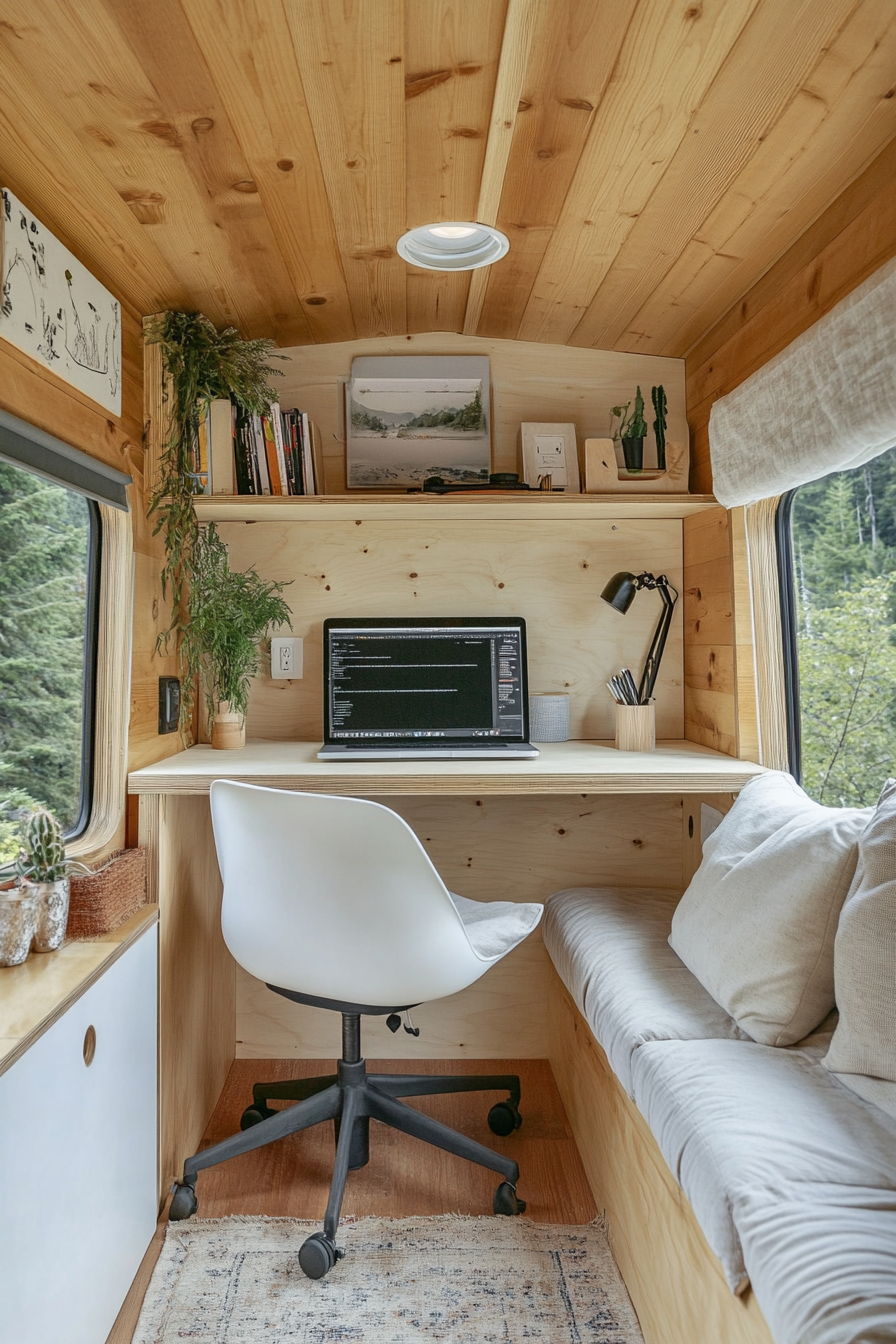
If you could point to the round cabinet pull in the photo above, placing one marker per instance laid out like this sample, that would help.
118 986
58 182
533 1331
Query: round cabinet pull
89 1045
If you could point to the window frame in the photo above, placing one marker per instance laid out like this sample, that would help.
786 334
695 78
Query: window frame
789 646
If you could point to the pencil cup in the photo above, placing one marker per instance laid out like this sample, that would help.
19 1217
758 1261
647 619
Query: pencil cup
636 727
549 718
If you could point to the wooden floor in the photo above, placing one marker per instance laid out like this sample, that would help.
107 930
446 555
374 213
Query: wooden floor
404 1177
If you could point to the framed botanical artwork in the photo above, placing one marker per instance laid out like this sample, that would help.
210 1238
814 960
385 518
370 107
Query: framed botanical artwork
550 456
408 417
55 310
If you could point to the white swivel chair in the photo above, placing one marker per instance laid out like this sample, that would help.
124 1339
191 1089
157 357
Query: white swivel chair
334 902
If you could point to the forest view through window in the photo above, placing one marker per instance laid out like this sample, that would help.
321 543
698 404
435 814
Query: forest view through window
844 570
47 562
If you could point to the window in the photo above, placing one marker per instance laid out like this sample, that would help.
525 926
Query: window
839 589
49 572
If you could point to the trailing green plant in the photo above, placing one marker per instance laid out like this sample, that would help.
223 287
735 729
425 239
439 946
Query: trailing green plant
202 363
658 397
229 613
42 856
630 426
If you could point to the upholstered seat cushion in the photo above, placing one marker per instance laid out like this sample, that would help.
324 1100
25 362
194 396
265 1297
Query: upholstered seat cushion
778 1160
495 927
610 947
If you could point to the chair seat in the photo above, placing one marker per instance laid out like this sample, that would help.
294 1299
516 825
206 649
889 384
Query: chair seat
495 927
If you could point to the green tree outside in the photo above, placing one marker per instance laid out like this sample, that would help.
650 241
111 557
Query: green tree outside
44 557
844 543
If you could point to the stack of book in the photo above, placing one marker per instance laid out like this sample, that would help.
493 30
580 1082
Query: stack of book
277 453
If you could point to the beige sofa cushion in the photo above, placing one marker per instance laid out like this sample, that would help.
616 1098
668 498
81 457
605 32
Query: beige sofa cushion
865 956
757 924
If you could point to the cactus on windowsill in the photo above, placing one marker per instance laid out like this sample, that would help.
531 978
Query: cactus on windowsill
42 856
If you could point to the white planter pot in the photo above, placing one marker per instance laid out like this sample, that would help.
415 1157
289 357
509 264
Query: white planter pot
18 921
229 731
52 914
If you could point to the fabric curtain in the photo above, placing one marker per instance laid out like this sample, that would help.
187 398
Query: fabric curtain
27 446
825 404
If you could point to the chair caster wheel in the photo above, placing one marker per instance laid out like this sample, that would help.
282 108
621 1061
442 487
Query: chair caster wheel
506 1201
318 1255
253 1115
184 1204
504 1118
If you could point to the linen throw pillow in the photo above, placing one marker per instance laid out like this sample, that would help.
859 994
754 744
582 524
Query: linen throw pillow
757 924
865 955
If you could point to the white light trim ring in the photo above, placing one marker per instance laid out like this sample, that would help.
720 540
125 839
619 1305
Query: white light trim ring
453 246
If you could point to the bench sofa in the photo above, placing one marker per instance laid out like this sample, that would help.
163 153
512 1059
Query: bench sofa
750 1193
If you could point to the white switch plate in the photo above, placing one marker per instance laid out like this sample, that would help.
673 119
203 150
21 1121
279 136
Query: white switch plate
286 658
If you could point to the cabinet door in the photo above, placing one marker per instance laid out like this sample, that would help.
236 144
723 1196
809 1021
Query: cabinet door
78 1200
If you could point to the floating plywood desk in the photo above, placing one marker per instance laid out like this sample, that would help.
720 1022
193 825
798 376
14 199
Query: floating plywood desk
580 814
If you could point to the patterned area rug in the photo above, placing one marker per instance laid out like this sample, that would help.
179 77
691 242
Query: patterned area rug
403 1281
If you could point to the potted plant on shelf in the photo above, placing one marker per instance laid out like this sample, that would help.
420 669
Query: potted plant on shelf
201 364
229 613
658 397
45 871
632 429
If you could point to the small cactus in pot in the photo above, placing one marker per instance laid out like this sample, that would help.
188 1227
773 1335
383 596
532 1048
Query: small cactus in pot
45 870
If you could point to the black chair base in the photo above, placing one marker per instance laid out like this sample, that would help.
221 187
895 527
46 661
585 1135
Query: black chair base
351 1097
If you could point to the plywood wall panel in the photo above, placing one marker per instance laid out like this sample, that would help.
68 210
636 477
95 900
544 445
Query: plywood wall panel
550 576
710 706
492 848
529 382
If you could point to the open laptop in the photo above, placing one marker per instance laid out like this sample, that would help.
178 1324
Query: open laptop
431 689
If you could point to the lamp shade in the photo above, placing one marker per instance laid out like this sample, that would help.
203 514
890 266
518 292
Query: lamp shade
620 591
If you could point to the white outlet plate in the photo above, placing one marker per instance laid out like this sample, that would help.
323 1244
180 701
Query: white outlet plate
287 658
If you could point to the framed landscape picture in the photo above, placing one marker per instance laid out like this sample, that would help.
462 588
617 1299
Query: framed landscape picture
413 416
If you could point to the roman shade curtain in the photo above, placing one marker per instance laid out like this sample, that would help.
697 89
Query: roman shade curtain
27 446
825 404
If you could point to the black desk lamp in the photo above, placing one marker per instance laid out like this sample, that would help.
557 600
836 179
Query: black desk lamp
620 593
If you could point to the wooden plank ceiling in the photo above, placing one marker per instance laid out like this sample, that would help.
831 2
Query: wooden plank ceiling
258 159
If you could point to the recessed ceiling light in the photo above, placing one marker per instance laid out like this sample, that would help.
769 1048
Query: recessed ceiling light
455 246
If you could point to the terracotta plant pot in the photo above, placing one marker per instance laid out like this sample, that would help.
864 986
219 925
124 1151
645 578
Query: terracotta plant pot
52 914
18 921
229 731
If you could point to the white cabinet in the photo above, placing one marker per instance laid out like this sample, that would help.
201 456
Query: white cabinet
78 1195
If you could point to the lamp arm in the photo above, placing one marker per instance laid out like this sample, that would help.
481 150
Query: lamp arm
658 644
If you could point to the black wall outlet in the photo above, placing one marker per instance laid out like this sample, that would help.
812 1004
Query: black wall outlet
169 704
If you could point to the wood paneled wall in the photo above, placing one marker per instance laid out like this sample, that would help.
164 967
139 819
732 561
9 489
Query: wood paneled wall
529 382
845 245
549 572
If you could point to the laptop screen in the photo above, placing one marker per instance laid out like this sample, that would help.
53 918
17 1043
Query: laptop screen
413 680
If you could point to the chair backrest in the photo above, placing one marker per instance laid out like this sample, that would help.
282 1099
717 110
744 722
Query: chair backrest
335 897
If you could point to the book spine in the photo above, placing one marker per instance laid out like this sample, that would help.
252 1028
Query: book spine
307 458
259 457
220 446
282 465
201 464
293 430
270 453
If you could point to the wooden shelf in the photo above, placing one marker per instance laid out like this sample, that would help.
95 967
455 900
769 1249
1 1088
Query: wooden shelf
561 768
511 507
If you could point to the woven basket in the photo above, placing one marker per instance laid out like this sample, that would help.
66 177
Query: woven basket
105 899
